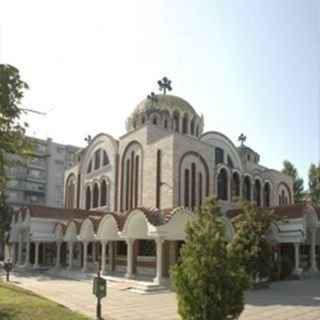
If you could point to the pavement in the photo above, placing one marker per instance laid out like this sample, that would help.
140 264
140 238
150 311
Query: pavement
295 299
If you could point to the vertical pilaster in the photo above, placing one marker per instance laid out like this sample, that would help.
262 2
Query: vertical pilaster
296 258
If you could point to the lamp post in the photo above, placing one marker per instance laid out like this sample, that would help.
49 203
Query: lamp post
99 290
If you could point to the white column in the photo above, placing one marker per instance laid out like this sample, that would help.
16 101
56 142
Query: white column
94 252
70 255
85 256
313 264
36 255
159 245
19 248
27 257
110 254
296 258
58 254
103 256
129 273
13 252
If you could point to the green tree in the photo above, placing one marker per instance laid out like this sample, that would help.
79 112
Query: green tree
249 243
12 132
291 170
209 280
5 218
314 183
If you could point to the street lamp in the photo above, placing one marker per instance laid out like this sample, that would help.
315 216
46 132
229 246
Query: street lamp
99 290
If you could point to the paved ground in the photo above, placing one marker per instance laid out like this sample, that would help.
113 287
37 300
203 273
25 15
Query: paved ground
299 300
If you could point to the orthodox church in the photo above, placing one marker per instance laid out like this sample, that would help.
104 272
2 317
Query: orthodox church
127 200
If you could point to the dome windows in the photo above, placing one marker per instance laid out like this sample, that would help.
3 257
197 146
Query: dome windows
100 159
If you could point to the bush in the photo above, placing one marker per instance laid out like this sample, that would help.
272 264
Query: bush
286 267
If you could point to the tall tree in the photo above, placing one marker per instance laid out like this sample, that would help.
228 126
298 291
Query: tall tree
209 280
12 132
249 243
291 170
314 183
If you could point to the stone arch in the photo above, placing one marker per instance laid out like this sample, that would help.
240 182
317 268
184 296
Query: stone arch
246 187
136 226
108 229
284 194
71 233
176 225
87 231
87 197
95 195
235 184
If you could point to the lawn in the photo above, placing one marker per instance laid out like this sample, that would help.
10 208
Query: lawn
19 304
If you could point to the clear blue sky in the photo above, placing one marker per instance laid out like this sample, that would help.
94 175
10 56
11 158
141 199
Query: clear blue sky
247 66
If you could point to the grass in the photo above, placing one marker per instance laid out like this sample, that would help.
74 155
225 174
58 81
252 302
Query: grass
20 304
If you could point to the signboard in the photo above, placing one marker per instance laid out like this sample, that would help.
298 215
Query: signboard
99 287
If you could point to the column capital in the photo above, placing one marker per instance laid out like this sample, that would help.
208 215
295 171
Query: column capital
104 242
129 241
160 240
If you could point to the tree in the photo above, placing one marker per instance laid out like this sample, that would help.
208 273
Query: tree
290 169
314 183
209 280
249 243
5 218
12 132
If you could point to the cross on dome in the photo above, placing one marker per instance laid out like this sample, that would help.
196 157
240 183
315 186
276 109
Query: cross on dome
242 138
164 85
153 98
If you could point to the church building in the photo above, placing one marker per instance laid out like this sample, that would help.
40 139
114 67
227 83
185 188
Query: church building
127 200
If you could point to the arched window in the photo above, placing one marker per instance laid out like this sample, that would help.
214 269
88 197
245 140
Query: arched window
88 198
154 120
186 188
246 189
95 199
192 127
97 155
235 185
257 192
89 169
223 185
266 195
105 161
143 120
176 119
185 124
70 192
165 124
103 191
193 185
197 131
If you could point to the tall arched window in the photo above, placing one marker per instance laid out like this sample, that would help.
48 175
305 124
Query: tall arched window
88 198
95 199
193 185
186 188
246 189
235 185
266 195
192 127
103 191
185 124
223 185
176 119
257 192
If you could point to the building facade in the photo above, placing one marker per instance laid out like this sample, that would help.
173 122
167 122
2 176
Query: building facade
39 179
127 200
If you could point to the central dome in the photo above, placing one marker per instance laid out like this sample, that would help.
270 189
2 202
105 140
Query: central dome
171 112
165 102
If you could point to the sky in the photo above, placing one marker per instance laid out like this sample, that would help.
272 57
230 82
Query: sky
249 66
